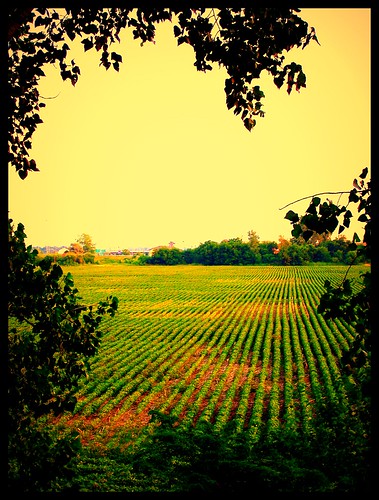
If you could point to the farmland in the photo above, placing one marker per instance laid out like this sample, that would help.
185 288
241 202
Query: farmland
210 344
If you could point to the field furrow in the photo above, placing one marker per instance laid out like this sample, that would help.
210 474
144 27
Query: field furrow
215 344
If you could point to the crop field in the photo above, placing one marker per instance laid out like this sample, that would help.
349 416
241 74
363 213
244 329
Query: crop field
210 343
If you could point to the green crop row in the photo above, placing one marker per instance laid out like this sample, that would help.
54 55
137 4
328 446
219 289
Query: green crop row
215 344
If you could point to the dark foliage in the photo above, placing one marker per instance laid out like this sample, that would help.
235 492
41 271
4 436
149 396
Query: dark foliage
341 301
235 252
51 338
245 41
203 460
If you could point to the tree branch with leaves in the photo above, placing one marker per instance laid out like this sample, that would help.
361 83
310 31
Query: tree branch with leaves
53 334
341 301
245 41
51 338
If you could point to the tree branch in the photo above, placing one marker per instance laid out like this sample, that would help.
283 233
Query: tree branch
312 196
54 97
216 22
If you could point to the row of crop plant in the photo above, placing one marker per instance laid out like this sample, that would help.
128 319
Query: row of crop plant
129 378
218 344
226 356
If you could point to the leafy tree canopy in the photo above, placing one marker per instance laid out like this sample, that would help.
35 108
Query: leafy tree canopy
51 338
52 335
341 301
86 242
325 217
253 238
76 248
244 41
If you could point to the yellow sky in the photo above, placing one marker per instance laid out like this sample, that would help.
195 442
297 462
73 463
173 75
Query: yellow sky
151 154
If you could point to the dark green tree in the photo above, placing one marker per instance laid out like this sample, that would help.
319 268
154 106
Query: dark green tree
235 252
205 253
52 336
337 248
245 41
298 254
167 257
322 218
318 253
268 251
342 301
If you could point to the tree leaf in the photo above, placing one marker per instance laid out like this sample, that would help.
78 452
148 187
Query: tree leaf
88 44
292 216
353 197
296 231
307 234
116 57
364 173
177 31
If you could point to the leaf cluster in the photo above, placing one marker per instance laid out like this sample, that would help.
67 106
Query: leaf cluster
341 301
244 41
39 456
52 335
325 217
203 459
86 243
166 256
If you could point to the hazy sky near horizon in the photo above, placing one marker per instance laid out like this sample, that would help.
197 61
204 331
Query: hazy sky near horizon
151 154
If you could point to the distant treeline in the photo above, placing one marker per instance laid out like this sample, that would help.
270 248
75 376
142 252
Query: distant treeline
236 252
69 258
233 252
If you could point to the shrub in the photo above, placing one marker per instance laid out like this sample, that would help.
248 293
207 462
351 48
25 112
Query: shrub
89 258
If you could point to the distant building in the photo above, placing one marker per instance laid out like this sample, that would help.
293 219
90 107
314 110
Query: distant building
63 250
139 251
51 249
154 249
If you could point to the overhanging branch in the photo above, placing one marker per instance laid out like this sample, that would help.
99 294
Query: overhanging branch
312 196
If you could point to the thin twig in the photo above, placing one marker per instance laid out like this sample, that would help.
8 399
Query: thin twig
27 321
216 22
313 195
347 271
41 96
